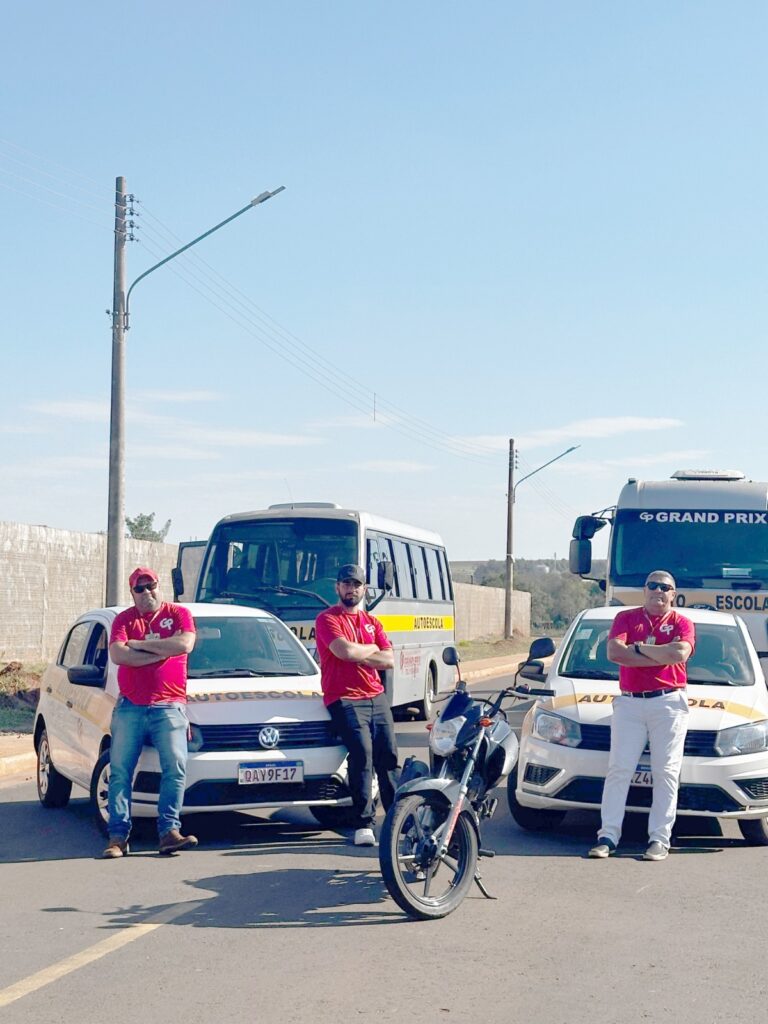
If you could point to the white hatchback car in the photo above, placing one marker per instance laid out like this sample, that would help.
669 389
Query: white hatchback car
566 738
260 734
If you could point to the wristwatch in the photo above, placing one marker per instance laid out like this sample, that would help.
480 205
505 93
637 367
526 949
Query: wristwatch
637 650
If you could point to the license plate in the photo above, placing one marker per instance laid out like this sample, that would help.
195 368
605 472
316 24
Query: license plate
642 776
261 774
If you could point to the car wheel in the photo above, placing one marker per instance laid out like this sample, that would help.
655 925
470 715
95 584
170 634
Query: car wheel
100 793
754 830
53 788
532 819
429 703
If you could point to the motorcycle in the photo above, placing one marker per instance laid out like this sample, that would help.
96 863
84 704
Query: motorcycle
430 842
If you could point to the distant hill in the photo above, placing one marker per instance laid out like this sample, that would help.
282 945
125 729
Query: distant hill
556 594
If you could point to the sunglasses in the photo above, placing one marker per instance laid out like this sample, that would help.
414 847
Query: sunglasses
144 586
663 587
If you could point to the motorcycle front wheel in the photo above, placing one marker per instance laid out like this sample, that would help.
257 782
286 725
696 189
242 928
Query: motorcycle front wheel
421 883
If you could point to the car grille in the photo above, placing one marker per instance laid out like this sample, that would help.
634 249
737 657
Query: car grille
539 774
689 797
698 742
246 737
213 792
756 789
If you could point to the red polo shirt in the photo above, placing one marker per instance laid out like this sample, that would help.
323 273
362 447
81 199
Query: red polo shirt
636 626
347 678
163 680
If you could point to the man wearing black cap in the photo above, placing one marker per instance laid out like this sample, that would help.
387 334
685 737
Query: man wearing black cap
353 649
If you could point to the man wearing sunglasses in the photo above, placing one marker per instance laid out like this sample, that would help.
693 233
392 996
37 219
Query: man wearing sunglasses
149 643
651 645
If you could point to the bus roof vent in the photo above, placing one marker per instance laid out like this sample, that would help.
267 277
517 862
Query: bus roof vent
303 504
708 474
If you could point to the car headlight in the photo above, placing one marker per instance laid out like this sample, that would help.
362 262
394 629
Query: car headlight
556 729
742 739
443 736
195 739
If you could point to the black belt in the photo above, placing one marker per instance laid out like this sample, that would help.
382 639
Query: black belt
647 694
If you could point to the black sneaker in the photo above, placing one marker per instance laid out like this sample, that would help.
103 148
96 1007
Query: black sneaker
603 848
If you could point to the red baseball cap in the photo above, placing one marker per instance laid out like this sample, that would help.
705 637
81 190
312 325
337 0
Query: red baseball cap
137 574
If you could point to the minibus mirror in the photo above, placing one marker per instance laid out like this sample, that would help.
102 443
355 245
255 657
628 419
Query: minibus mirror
586 527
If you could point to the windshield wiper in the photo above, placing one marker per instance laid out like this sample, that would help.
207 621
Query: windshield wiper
242 673
281 588
590 674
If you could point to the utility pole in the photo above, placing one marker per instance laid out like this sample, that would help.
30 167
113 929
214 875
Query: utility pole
116 509
510 518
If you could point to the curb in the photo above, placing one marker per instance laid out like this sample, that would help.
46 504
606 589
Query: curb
15 764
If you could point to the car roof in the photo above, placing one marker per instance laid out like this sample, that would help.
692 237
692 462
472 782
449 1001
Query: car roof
702 615
200 611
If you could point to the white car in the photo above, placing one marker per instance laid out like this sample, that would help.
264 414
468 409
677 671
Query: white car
565 739
260 734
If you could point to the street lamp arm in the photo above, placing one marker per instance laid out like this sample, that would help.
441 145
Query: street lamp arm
254 202
535 471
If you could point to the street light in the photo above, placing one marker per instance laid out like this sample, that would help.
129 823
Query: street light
511 490
120 313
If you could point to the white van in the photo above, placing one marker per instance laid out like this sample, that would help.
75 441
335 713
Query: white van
566 738
261 737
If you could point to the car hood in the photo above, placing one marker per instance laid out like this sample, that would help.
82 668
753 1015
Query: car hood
588 701
265 699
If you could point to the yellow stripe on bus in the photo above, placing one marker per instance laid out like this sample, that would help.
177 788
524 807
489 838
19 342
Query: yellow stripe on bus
411 623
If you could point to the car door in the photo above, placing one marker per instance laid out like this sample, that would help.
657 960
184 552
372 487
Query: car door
91 705
61 713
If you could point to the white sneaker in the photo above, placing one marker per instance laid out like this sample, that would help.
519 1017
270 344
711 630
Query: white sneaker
365 837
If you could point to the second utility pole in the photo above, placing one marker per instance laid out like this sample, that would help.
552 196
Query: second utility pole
510 515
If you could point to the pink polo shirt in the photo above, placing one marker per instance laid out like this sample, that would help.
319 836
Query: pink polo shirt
161 681
636 626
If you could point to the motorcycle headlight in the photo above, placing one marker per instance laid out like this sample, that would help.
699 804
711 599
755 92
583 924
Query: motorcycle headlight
742 739
442 738
195 740
556 729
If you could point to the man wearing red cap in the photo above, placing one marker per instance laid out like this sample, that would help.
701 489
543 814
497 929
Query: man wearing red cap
149 643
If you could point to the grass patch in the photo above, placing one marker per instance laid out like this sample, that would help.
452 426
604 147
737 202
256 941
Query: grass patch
19 686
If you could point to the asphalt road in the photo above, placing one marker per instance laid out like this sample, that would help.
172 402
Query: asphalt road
275 919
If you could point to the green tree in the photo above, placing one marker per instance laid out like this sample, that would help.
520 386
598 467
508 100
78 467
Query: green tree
142 527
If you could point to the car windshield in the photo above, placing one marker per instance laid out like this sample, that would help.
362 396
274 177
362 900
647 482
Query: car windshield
720 658
243 646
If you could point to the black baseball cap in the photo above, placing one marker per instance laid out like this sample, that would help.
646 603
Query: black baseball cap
351 572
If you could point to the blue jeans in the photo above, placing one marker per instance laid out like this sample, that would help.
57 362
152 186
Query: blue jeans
165 726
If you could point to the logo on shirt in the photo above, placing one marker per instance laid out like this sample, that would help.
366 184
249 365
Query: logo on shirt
165 623
369 629
666 628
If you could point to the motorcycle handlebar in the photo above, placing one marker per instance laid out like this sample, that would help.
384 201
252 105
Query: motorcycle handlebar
531 691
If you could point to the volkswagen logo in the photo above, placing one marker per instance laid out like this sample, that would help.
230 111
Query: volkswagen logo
269 737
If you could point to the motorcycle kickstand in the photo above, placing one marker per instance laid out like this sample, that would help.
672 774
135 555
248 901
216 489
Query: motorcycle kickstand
481 887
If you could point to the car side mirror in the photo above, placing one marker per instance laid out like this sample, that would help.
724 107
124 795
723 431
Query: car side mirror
86 675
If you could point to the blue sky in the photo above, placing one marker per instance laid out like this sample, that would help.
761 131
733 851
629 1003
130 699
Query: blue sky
534 220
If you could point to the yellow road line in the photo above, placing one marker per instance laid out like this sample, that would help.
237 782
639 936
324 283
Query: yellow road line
87 956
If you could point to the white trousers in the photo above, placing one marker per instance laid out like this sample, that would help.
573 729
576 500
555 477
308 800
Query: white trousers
663 723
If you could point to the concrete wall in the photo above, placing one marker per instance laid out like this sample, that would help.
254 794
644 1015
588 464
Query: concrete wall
480 612
49 577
